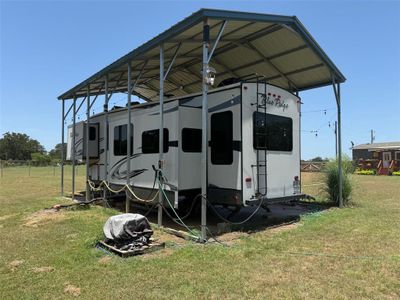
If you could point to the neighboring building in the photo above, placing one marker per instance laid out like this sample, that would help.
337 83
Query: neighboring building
383 157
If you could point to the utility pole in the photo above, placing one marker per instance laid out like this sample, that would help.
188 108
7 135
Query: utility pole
372 136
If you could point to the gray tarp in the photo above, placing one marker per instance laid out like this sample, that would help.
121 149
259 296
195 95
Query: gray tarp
127 227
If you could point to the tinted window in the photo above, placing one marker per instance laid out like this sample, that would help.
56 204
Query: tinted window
221 138
191 140
150 141
120 139
92 133
272 132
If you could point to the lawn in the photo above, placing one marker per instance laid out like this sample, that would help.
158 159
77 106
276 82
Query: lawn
339 253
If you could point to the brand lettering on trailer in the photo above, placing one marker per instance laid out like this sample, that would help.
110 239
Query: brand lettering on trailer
274 100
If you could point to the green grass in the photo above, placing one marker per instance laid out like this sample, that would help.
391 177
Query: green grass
347 253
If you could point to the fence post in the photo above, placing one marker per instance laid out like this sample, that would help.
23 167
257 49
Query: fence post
29 168
54 170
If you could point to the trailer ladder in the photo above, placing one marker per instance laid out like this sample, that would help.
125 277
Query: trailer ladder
261 166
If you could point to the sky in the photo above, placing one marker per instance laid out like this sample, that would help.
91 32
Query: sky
47 47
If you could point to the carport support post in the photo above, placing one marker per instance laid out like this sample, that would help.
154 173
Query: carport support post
73 147
87 143
336 89
128 139
161 135
62 146
204 140
106 133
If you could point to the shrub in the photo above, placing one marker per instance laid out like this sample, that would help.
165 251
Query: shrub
332 180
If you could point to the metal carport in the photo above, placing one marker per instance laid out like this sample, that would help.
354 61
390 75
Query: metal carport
236 44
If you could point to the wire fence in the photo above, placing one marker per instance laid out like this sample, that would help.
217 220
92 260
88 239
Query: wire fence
34 168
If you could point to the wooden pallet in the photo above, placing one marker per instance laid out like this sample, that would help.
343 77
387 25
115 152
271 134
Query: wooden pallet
153 246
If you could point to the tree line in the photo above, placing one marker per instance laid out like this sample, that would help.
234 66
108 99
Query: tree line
19 146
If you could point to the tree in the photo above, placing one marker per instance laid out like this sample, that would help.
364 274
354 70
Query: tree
19 146
318 159
40 159
56 152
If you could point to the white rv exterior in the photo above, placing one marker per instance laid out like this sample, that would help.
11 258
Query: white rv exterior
240 171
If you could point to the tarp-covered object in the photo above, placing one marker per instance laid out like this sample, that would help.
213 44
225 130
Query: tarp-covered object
126 228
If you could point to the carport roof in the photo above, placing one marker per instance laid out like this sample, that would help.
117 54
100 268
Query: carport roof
276 47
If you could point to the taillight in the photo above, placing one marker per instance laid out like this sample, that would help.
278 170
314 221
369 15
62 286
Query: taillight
248 182
296 185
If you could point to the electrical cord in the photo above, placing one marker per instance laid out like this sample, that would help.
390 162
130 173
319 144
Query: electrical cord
228 221
178 218
215 239
218 214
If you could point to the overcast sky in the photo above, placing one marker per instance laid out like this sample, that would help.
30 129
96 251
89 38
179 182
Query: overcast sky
49 46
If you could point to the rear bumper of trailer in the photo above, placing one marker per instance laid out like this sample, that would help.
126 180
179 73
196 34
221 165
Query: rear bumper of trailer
267 200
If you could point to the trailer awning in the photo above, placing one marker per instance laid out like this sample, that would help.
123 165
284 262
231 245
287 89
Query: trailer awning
276 47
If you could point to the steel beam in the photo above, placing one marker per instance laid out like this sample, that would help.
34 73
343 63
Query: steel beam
172 61
80 105
262 32
220 32
106 135
161 137
128 139
204 127
73 146
62 147
336 90
87 143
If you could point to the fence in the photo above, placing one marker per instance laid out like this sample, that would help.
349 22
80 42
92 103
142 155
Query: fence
311 166
35 168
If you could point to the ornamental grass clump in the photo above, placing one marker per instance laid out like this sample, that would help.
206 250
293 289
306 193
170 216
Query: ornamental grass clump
332 180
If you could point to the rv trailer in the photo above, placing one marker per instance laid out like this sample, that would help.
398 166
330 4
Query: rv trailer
253 146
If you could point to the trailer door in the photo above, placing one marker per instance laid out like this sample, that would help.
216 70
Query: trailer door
224 160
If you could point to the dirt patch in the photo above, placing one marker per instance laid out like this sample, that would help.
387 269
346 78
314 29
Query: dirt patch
231 237
163 237
42 270
72 290
283 228
44 217
71 236
15 264
105 260
5 217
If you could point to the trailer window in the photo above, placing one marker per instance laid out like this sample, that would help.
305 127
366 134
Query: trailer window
221 138
92 133
120 139
272 132
191 140
150 141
